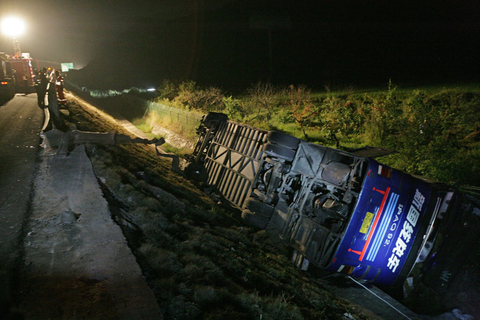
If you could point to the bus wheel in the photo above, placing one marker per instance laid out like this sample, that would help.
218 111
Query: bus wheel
213 120
283 139
196 172
259 207
254 219
279 152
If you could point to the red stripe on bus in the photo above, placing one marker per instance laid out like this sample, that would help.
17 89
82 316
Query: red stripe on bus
354 251
380 211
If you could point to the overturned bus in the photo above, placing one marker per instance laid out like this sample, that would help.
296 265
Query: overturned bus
339 211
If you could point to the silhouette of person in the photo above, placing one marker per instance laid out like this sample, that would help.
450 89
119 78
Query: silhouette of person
55 116
41 83
59 86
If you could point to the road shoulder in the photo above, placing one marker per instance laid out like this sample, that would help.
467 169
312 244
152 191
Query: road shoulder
77 263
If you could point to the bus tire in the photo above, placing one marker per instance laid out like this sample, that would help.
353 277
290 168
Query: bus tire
196 172
283 139
213 120
254 219
258 207
279 152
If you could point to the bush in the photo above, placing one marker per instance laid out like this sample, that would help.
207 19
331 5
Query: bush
168 90
208 100
262 98
303 110
189 96
435 133
234 108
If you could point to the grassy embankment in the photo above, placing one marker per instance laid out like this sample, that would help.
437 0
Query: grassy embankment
201 260
435 131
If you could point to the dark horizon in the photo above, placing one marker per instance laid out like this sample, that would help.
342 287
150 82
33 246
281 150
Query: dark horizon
311 44
232 44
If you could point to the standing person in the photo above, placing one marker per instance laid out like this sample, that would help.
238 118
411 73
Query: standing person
59 86
41 83
55 115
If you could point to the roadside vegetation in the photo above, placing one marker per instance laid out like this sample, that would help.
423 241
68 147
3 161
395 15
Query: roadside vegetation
199 257
435 131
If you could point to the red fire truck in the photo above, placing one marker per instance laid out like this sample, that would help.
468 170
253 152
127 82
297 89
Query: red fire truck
7 79
23 68
17 72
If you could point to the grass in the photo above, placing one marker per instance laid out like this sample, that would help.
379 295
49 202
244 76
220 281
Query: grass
434 129
199 258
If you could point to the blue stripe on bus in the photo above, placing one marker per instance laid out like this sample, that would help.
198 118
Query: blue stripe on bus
383 227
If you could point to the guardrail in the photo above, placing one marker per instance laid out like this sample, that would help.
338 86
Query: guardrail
178 120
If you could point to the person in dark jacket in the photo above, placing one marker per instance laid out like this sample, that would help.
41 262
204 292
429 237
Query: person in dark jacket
59 86
55 115
41 83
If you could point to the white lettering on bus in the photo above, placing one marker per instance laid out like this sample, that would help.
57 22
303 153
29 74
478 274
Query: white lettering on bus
413 215
406 232
405 235
393 227
393 262
418 200
400 246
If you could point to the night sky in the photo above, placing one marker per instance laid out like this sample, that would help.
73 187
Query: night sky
232 43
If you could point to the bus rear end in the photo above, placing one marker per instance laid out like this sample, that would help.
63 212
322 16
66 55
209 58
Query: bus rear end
339 211
392 228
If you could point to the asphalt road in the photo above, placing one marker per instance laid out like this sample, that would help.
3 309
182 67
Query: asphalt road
20 124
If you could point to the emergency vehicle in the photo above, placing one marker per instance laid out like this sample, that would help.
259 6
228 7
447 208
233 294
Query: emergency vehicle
339 211
18 71
7 80
24 72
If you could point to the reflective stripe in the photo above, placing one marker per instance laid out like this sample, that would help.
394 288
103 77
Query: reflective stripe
374 226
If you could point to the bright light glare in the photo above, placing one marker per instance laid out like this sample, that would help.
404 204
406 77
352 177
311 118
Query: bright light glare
13 26
151 89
